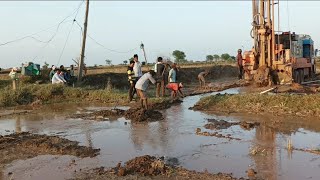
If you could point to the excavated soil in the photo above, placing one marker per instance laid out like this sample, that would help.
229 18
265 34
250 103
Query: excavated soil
298 88
101 115
26 145
149 167
142 115
222 124
219 87
215 134
165 104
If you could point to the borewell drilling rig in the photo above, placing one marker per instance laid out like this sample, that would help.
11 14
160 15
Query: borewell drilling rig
276 57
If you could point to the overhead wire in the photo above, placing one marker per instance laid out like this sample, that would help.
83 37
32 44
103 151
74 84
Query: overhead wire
104 47
46 29
65 43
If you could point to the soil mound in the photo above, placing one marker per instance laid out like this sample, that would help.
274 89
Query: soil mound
148 168
216 125
297 88
26 145
142 115
144 165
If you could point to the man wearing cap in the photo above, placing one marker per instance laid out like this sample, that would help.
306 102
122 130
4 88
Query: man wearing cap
239 62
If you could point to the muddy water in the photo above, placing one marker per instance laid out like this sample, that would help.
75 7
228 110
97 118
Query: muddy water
175 136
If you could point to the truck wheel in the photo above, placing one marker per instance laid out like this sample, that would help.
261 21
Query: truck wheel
301 75
296 76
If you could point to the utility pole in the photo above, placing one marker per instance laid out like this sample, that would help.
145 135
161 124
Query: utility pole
83 43
144 53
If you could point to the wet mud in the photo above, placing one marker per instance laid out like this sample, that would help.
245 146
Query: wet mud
298 88
222 124
142 115
26 145
216 87
102 115
215 134
149 167
166 104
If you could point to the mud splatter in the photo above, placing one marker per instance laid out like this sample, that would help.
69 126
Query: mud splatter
26 145
142 115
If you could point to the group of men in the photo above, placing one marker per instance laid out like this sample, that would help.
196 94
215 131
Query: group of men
62 75
138 82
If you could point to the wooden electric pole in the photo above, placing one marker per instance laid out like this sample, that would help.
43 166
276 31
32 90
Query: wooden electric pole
80 68
144 53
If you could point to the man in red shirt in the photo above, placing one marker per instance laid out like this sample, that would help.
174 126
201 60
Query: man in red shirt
239 62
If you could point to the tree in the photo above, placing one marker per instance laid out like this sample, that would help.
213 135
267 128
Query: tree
216 57
108 62
225 56
131 59
209 58
233 58
125 62
179 56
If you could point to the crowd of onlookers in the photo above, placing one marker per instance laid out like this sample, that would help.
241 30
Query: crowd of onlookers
62 75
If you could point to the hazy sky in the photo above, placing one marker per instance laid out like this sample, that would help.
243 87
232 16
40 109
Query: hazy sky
197 28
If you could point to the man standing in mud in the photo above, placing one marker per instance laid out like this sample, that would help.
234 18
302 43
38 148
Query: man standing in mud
137 67
159 70
239 62
132 81
142 86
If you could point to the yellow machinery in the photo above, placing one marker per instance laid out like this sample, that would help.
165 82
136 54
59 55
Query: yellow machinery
278 58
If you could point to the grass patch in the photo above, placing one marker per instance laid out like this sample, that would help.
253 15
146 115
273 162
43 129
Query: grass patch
281 104
47 93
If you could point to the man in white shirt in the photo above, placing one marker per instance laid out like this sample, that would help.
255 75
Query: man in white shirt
57 78
137 67
142 85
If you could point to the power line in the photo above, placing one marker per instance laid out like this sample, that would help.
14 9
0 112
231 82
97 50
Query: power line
101 45
31 35
74 20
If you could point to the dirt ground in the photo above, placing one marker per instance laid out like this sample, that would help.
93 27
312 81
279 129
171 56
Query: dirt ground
149 167
26 145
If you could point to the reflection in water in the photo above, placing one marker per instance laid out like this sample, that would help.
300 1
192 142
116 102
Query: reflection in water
139 135
175 137
265 139
18 125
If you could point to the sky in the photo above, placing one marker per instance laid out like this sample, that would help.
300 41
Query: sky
199 28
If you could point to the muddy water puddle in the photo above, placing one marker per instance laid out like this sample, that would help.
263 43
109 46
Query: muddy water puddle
262 148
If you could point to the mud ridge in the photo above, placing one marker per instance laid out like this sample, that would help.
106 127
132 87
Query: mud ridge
219 87
222 124
112 114
26 145
165 104
149 167
142 115
215 134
